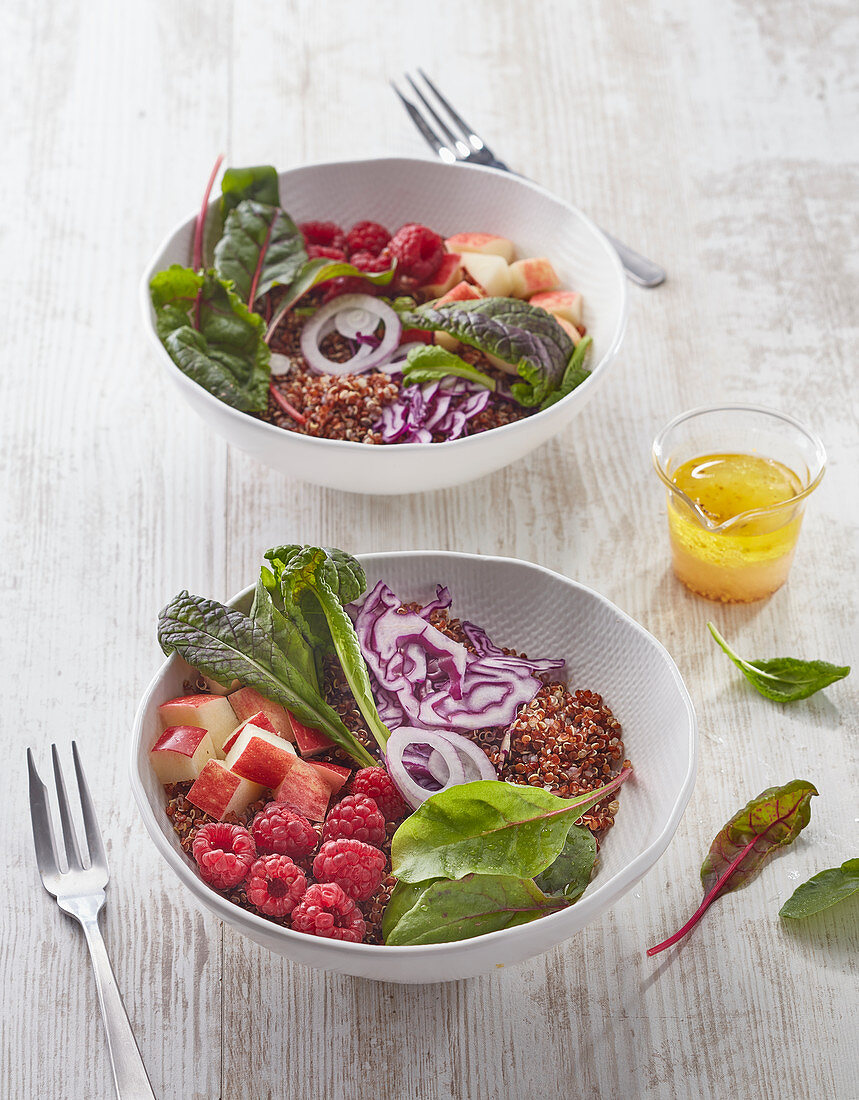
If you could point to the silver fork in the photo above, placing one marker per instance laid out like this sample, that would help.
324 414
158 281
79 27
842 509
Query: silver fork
79 891
471 148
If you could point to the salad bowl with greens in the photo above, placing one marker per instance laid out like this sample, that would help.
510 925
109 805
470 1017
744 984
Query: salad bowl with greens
207 303
399 698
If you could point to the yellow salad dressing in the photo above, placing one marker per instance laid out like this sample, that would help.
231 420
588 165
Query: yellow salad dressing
749 558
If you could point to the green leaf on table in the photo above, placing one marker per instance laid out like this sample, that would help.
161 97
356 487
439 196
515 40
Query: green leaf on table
225 644
212 336
523 335
430 363
784 679
259 184
574 375
823 890
772 820
489 827
472 906
314 578
261 247
569 875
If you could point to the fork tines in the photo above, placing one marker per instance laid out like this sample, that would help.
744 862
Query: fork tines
439 132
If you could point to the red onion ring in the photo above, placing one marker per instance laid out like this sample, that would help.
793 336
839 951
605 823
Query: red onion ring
372 312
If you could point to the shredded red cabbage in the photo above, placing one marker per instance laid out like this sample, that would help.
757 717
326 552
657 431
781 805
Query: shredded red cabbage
433 408
425 679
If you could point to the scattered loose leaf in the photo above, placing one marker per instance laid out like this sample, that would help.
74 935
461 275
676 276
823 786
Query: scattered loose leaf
489 827
772 820
784 679
823 890
472 906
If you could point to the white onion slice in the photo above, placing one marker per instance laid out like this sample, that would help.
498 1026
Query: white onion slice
453 760
474 760
349 306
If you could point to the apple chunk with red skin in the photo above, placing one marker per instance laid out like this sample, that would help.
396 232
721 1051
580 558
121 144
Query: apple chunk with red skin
218 791
489 271
488 244
561 303
335 775
180 753
310 742
448 275
260 756
533 276
258 720
303 789
247 703
209 712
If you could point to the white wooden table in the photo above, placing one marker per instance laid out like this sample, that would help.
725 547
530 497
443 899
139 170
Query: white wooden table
724 145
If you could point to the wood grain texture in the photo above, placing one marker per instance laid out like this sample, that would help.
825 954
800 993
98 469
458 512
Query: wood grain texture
718 138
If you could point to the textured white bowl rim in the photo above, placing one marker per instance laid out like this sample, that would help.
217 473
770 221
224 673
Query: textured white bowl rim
347 446
593 902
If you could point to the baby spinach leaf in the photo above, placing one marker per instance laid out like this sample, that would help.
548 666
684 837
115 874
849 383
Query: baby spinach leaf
569 875
471 906
333 579
259 184
269 617
319 271
523 335
261 248
823 890
489 827
772 820
225 644
227 354
431 362
784 679
574 375
404 897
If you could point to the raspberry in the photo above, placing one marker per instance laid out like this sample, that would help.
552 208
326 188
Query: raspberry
345 284
275 885
356 867
417 250
328 234
326 911
223 853
376 783
366 261
283 831
356 817
367 237
324 252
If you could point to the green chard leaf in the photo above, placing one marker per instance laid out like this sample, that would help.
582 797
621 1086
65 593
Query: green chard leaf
267 613
261 248
523 335
431 362
772 820
823 890
227 354
472 906
784 679
225 644
260 184
332 579
569 875
574 375
489 827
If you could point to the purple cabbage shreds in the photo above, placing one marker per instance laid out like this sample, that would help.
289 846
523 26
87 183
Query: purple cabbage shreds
423 678
433 408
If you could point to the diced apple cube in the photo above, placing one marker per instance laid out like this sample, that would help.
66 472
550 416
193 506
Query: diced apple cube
304 789
448 275
247 702
180 753
209 712
462 292
260 756
310 742
561 303
570 329
485 243
532 276
218 791
335 775
258 720
491 272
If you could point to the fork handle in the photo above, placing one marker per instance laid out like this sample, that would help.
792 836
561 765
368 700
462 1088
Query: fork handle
638 268
129 1073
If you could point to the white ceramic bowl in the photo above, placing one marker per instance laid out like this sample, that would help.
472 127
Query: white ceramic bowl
544 614
451 199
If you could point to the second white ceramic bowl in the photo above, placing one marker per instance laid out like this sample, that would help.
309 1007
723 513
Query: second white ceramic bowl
544 614
451 199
